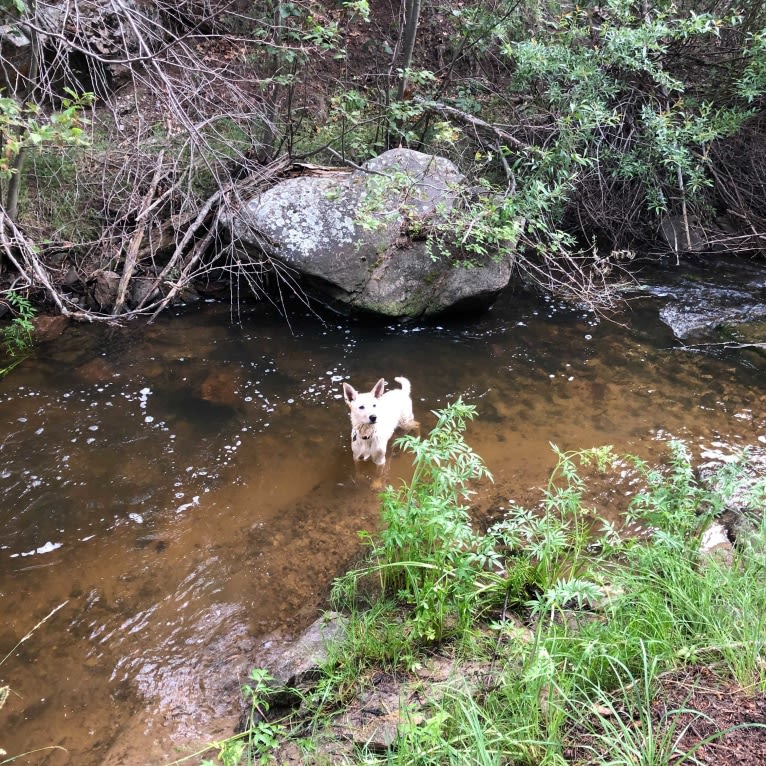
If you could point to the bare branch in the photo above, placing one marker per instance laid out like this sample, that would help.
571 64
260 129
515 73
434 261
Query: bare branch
135 242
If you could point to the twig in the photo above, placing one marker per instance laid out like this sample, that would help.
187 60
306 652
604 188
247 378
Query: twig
33 265
197 253
29 634
725 344
135 242
469 119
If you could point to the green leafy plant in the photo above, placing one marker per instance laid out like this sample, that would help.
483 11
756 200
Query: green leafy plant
587 86
25 126
262 736
259 738
572 623
752 82
555 538
675 506
428 554
18 336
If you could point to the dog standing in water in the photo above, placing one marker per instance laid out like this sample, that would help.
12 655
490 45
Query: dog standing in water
375 416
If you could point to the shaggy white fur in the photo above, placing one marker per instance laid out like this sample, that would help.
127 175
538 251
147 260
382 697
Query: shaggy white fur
375 416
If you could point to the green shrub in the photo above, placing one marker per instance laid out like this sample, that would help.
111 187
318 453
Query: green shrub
428 554
18 336
574 626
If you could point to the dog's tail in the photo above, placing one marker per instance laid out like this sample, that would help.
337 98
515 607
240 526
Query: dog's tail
405 384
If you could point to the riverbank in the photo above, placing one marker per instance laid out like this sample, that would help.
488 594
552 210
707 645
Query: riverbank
551 637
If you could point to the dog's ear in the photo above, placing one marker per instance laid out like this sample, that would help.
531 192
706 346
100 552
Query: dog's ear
349 392
379 388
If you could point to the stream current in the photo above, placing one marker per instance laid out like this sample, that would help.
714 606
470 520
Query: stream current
179 495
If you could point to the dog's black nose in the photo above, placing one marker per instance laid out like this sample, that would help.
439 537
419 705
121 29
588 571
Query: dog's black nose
373 418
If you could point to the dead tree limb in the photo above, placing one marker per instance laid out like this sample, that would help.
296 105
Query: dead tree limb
207 215
479 126
31 267
135 241
203 216
196 255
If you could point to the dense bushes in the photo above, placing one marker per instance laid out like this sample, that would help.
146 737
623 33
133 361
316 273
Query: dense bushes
591 126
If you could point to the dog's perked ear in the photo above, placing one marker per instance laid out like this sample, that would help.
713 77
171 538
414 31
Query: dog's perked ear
379 388
349 392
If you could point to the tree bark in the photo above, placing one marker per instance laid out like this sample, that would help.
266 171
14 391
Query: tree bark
411 20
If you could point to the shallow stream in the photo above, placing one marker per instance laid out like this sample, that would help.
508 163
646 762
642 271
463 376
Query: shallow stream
183 492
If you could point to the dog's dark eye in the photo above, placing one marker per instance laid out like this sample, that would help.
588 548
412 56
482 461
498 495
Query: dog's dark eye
361 406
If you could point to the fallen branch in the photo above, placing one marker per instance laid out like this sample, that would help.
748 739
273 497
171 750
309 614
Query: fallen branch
32 268
199 249
471 120
205 216
131 257
725 344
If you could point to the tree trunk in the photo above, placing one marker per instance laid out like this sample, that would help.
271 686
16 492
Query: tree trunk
14 184
411 20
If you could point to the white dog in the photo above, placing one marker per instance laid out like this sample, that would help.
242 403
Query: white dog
376 415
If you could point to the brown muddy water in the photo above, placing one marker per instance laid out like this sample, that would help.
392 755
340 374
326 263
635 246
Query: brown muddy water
184 494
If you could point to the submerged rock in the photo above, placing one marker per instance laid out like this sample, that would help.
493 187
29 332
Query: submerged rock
49 327
711 299
360 240
292 665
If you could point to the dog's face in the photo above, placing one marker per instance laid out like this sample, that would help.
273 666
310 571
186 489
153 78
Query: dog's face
363 407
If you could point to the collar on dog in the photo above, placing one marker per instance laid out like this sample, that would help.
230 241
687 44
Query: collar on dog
356 433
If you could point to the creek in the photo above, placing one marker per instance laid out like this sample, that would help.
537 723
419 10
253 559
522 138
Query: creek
182 493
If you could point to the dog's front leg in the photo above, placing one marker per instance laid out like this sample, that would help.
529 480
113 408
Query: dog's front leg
380 479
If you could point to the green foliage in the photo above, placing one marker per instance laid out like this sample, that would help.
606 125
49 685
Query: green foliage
674 505
618 103
19 6
607 615
18 336
351 125
752 82
554 540
616 109
677 507
490 225
260 737
428 553
294 34
362 7
25 126
376 208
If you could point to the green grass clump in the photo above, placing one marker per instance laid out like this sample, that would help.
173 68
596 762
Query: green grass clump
18 336
573 621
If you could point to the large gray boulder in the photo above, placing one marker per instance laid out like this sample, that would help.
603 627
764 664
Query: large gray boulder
360 240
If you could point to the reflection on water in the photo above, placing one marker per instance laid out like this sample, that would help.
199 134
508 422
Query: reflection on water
185 489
